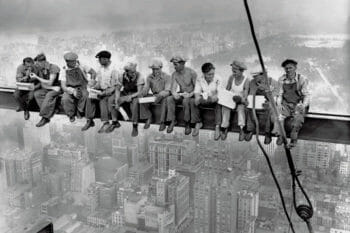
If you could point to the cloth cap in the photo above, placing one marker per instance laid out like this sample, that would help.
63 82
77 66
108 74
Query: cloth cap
156 64
289 61
70 56
178 59
103 54
239 65
130 66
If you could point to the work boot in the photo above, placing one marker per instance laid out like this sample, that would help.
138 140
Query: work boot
72 119
89 123
267 139
188 129
18 109
103 127
171 127
224 133
248 136
147 124
42 122
135 131
196 129
26 115
217 133
115 124
279 140
241 135
162 126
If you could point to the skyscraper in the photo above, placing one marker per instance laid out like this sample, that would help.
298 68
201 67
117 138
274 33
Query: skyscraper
248 205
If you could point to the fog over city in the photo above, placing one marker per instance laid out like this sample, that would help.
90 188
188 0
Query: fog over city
158 182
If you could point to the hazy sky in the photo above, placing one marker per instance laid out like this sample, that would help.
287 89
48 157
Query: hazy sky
27 15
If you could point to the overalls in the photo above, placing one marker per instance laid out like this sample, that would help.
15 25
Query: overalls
75 78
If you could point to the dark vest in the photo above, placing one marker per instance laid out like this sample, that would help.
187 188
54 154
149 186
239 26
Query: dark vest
130 85
75 78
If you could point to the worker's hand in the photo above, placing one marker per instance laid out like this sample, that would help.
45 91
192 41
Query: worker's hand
163 93
92 83
158 98
197 101
186 95
214 99
300 108
177 96
70 90
34 76
237 99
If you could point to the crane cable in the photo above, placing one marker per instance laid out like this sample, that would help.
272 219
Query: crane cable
305 212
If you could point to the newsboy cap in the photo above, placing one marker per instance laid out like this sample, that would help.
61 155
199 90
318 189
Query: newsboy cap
40 57
130 66
70 56
239 65
103 54
289 61
156 64
178 59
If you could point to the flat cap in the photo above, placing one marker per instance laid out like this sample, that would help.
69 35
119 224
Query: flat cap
40 57
239 65
156 64
103 54
130 66
178 59
289 61
70 56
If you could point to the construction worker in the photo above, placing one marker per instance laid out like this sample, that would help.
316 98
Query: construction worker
129 88
74 82
106 82
239 85
160 84
206 94
260 87
183 78
46 96
24 97
293 99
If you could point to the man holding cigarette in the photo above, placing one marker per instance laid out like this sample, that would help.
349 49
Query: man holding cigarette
24 97
160 84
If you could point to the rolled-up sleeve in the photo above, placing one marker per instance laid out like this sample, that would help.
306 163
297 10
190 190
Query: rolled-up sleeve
305 90
19 73
198 87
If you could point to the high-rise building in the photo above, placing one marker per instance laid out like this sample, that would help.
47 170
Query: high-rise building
82 175
247 208
169 154
107 196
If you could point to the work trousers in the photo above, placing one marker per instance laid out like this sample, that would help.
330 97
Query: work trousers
71 104
23 98
196 111
145 112
46 99
226 115
171 107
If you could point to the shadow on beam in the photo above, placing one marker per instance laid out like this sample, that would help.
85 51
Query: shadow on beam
317 127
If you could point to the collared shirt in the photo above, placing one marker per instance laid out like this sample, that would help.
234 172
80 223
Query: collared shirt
158 84
84 68
107 76
23 71
185 80
202 86
302 86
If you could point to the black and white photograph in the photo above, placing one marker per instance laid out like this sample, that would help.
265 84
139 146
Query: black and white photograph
174 116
